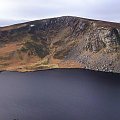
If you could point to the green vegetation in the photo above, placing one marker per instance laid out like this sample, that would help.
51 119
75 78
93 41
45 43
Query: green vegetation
42 64
61 54
35 49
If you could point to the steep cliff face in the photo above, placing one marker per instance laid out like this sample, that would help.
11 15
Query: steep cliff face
63 42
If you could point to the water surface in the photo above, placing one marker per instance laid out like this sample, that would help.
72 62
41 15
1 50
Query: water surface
60 94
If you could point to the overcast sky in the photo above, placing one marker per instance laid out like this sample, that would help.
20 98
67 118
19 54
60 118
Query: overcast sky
14 11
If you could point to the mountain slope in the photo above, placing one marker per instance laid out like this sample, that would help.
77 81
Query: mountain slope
63 42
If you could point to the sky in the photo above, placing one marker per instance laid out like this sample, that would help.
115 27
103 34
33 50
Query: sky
15 11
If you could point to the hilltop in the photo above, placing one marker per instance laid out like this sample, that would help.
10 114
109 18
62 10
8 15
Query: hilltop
62 42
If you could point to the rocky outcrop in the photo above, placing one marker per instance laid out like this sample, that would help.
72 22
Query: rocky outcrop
63 42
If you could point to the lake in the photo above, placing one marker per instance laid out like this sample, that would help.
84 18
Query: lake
60 94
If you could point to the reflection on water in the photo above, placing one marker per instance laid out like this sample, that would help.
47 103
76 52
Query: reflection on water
60 94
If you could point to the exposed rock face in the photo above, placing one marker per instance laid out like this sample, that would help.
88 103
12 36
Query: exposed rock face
63 42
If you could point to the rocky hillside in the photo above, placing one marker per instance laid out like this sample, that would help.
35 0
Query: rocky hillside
63 42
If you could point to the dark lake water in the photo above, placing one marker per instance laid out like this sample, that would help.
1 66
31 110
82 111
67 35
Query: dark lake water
60 94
